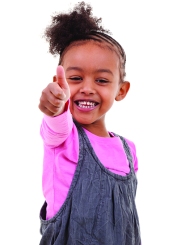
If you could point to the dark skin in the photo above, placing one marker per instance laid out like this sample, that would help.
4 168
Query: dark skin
91 86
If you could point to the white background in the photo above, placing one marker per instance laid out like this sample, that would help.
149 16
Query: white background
149 31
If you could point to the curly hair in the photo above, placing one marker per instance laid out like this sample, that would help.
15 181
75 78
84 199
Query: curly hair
77 25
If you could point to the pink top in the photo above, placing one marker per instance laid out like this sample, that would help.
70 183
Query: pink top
61 149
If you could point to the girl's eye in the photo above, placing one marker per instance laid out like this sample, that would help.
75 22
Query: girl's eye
75 78
102 81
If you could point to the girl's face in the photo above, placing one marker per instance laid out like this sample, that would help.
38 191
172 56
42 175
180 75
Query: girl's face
93 74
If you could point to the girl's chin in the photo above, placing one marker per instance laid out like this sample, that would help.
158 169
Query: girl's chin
83 120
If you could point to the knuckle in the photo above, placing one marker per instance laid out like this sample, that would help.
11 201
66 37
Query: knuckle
59 93
56 102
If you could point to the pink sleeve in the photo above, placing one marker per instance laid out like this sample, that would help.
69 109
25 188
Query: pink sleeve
55 130
133 152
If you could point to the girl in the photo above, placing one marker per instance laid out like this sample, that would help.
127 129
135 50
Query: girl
89 180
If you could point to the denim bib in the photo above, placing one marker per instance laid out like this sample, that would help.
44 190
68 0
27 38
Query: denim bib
100 205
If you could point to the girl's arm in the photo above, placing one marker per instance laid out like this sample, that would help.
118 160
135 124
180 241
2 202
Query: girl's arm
57 123
55 130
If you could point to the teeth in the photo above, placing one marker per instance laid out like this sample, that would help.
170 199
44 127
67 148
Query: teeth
86 104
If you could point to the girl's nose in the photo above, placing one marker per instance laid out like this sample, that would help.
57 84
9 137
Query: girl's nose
87 87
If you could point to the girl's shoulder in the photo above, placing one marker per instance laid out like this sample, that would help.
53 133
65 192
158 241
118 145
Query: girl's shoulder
132 148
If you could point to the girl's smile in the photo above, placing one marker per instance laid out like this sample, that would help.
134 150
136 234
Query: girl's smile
93 74
86 105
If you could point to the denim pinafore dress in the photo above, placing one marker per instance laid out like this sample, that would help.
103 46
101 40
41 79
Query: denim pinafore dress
100 206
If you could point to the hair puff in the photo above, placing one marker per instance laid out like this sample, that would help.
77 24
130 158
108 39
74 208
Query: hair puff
68 27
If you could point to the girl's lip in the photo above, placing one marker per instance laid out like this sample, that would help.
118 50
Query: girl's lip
86 105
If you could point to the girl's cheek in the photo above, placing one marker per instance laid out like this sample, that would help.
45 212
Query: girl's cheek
71 90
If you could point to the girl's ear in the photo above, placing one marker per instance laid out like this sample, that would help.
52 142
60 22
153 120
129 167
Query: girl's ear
124 88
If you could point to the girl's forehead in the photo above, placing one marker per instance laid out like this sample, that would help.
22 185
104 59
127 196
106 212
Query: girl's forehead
89 46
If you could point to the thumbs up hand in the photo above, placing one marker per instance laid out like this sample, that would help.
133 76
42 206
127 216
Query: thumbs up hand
55 95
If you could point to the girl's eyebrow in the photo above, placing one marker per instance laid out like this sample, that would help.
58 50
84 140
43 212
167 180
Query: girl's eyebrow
104 70
74 68
80 69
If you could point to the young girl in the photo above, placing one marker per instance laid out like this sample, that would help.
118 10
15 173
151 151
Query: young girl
89 180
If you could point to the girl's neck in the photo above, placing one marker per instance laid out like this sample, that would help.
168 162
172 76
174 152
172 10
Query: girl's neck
96 129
